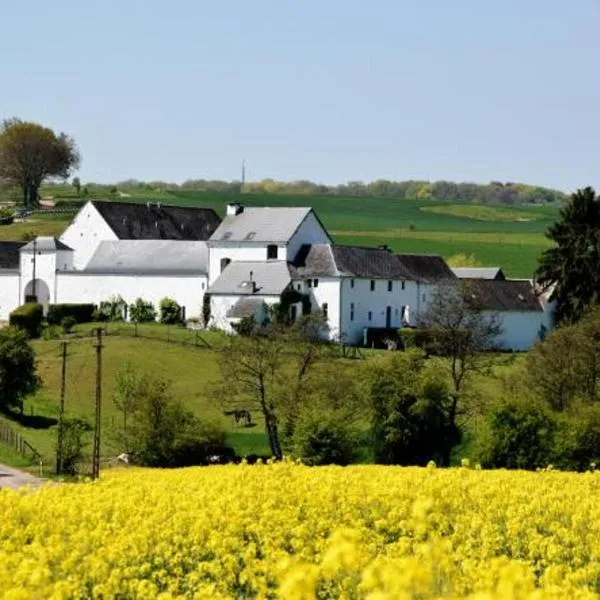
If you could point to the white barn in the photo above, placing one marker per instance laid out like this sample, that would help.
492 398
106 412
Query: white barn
244 263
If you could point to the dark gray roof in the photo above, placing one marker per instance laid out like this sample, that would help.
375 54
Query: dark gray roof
359 261
132 221
246 278
427 268
314 260
149 256
502 295
246 307
479 272
9 254
46 244
261 224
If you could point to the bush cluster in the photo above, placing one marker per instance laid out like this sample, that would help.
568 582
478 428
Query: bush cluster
81 313
28 317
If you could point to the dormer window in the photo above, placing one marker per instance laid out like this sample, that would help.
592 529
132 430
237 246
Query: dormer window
272 251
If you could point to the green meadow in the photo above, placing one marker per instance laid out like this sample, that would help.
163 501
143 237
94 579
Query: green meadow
510 237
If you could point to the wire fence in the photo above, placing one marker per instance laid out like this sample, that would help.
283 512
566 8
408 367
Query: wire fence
12 438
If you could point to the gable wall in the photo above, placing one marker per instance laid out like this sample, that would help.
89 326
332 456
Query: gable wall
326 292
85 232
309 232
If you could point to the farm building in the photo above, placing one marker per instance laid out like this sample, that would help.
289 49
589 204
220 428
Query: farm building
245 263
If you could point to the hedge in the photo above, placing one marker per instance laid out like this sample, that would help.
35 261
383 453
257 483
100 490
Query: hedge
82 313
29 318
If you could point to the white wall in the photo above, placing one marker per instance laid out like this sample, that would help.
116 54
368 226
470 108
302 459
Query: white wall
220 305
187 290
237 252
9 293
85 232
45 271
326 292
520 330
375 302
309 232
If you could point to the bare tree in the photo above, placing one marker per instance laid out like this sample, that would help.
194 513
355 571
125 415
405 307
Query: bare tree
269 371
30 154
459 330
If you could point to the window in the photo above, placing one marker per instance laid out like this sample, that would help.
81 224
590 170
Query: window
390 286
325 309
352 283
352 311
315 283
372 285
299 287
309 283
224 263
403 284
271 251
370 316
183 313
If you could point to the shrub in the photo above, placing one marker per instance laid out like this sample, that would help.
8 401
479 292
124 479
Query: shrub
18 375
28 317
68 323
142 312
521 435
82 313
245 326
164 434
577 444
206 310
113 309
72 446
324 439
408 338
170 311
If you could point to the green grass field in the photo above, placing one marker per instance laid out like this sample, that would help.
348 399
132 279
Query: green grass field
510 237
192 370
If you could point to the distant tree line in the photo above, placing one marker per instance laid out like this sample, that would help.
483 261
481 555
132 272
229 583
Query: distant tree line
496 192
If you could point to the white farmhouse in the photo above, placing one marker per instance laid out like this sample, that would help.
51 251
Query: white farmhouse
242 265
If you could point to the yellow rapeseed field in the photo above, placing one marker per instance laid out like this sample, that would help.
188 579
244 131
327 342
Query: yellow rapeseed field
294 532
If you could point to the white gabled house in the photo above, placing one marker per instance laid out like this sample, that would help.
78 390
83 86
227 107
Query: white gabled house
245 263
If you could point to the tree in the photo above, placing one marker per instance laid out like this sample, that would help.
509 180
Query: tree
566 366
409 422
126 396
460 332
571 264
170 311
18 376
163 433
269 371
142 311
30 154
76 183
463 260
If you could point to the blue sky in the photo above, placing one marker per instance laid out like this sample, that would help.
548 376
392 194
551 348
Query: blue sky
327 90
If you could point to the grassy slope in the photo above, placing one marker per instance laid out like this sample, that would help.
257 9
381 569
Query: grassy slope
191 370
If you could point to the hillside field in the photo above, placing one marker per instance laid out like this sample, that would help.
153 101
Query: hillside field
192 369
510 237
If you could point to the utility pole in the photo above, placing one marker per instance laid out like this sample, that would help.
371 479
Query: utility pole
96 450
61 411
243 176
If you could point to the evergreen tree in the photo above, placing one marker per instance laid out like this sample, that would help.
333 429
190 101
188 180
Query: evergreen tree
571 266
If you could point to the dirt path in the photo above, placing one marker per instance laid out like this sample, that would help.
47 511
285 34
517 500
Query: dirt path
11 478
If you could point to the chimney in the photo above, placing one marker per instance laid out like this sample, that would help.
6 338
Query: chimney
234 209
